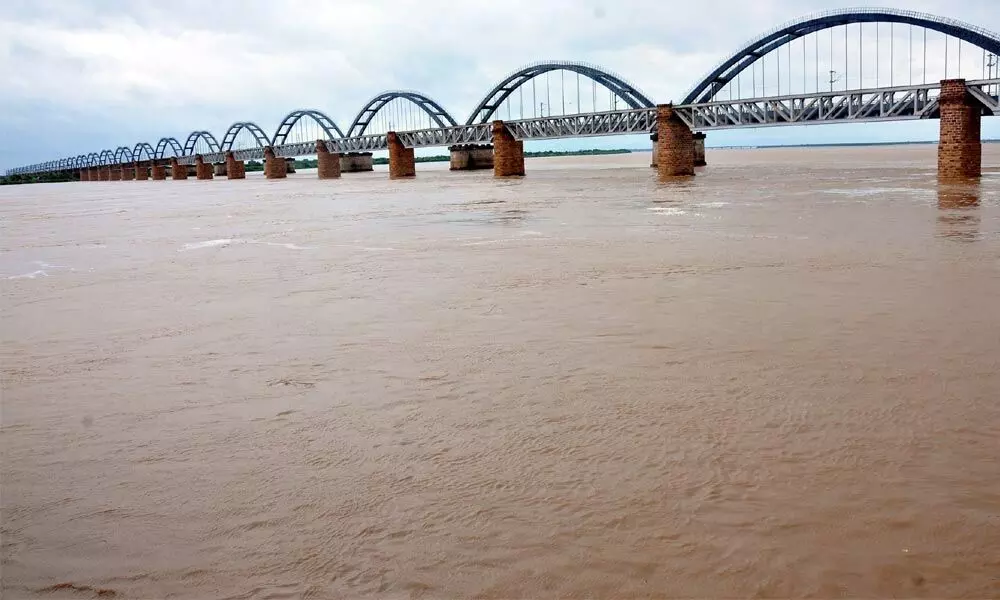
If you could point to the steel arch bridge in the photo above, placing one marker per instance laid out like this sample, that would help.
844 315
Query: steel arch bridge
165 144
706 89
703 108
433 110
327 124
502 91
195 137
258 135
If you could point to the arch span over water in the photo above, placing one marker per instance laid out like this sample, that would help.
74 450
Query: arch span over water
433 110
749 53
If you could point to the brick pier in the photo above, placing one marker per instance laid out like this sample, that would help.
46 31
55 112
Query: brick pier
960 149
158 171
177 170
327 163
508 153
235 169
274 166
203 170
401 162
675 144
141 171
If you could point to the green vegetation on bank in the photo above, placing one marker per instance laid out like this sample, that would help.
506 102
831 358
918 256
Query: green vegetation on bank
40 178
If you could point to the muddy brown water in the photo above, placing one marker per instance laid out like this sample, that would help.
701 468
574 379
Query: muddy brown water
779 378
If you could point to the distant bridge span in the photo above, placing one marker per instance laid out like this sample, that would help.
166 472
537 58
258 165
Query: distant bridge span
807 71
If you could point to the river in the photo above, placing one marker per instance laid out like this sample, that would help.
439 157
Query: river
778 378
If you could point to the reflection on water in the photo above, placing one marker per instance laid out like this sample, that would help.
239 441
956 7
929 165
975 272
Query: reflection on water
959 218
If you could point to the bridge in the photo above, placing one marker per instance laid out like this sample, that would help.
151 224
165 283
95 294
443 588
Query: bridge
844 66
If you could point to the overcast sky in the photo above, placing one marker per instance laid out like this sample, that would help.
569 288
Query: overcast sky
82 76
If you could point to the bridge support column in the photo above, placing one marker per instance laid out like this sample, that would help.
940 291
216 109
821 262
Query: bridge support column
158 171
699 149
219 169
675 144
274 166
104 174
471 157
401 161
652 162
960 149
141 171
355 162
203 170
328 163
84 175
95 174
128 172
235 169
508 153
177 170
116 173
289 165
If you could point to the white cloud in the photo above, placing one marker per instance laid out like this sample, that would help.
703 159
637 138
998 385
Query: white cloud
139 70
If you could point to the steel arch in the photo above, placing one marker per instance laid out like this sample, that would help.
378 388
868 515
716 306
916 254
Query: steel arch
93 159
728 69
235 128
164 143
122 155
192 140
495 97
143 149
107 157
81 161
328 125
433 109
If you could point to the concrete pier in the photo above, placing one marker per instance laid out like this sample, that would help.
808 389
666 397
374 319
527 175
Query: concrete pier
328 163
158 171
401 161
141 171
289 165
203 170
104 174
960 148
84 174
675 144
471 157
508 153
274 166
354 162
219 169
235 169
128 172
698 138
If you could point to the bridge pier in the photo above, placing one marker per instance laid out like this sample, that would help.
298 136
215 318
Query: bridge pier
471 157
328 163
104 174
675 144
203 170
699 149
653 138
401 161
219 169
289 165
177 170
960 148
158 171
84 175
141 171
355 162
128 172
508 153
274 166
235 169
116 173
